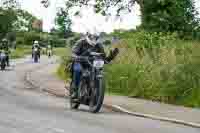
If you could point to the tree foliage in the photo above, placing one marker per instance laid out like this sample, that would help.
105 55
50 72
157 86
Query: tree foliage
157 15
24 20
8 18
169 15
10 4
63 23
13 18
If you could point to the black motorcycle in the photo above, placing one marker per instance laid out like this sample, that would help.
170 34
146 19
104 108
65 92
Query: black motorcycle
92 88
2 60
36 55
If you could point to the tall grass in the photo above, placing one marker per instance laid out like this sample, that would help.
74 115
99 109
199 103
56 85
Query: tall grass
61 51
64 53
168 72
154 66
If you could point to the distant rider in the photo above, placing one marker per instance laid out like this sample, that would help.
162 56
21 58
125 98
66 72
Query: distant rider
49 49
5 46
36 45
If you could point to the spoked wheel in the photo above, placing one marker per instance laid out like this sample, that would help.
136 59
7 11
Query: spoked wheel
97 96
73 104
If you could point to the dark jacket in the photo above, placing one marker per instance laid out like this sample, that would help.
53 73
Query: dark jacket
82 46
4 46
37 46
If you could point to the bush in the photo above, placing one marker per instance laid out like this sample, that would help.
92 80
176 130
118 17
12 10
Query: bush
20 52
158 67
64 53
20 41
62 71
30 37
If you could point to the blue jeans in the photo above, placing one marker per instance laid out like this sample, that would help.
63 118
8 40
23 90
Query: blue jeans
77 74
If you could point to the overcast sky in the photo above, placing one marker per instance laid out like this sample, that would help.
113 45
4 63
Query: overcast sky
88 22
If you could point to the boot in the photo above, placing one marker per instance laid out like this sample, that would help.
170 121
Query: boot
75 94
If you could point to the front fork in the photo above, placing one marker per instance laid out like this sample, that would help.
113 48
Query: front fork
93 78
96 74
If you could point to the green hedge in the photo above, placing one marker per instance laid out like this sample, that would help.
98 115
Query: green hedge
27 38
20 52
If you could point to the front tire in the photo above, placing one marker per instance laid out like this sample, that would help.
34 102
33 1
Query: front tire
36 58
98 96
3 65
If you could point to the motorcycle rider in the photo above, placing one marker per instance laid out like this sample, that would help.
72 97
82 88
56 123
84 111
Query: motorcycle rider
4 46
36 45
80 48
49 48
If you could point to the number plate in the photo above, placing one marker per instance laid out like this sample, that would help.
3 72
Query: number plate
98 63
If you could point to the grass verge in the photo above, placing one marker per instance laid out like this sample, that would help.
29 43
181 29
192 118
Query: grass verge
20 52
154 67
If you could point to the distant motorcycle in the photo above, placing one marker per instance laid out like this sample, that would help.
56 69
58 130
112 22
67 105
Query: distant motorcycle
92 88
2 60
36 55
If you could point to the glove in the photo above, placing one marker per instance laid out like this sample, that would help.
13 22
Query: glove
113 54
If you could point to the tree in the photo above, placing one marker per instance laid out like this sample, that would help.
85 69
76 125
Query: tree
63 23
53 31
157 15
10 4
13 19
8 18
11 36
24 21
169 15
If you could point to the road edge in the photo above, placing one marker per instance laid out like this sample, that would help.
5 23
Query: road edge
119 109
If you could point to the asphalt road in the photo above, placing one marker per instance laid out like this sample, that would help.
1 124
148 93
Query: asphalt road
24 109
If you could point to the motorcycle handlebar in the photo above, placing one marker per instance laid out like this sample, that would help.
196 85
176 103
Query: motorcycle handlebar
86 59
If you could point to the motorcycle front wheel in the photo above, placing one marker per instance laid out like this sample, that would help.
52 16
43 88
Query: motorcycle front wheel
3 65
36 58
97 96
